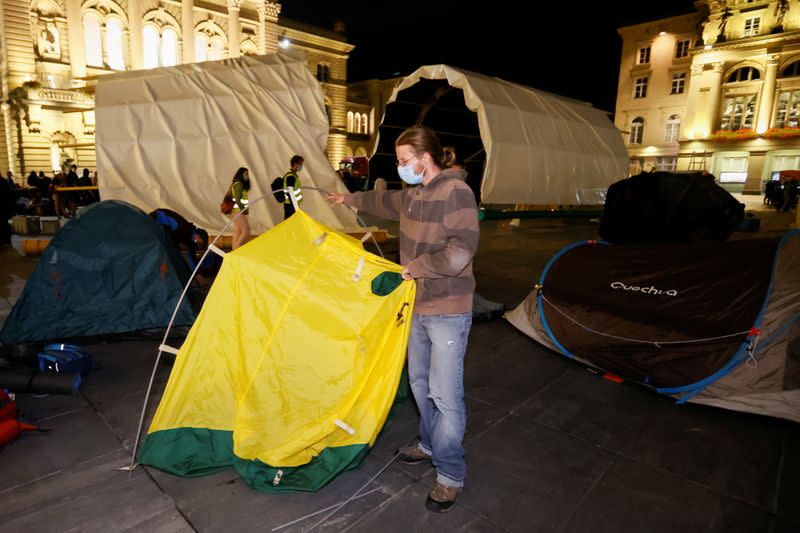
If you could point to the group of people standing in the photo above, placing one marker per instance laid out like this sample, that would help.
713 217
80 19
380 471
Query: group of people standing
239 190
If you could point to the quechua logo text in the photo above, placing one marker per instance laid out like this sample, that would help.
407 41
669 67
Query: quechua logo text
618 285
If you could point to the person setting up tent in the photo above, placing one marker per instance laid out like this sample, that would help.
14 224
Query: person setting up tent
290 179
438 239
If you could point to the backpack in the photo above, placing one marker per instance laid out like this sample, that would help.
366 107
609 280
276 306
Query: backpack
277 189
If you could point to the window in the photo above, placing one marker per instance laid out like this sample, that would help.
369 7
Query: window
114 44
640 89
350 121
200 47
217 49
678 83
682 49
644 55
323 73
751 26
637 129
786 162
733 169
358 123
738 112
792 70
673 129
788 111
92 40
169 47
667 163
364 123
744 74
150 45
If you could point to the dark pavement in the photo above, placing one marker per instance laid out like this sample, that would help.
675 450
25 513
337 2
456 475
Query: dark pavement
550 446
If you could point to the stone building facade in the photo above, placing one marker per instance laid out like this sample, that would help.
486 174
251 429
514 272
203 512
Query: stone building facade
51 51
718 90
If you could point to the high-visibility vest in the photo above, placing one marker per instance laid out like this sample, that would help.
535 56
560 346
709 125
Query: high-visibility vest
243 198
298 194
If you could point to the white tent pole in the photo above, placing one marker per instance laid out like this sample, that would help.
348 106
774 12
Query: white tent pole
178 306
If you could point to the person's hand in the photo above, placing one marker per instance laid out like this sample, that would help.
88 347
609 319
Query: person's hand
334 198
406 275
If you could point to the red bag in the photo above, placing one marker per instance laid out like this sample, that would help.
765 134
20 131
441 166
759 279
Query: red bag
226 207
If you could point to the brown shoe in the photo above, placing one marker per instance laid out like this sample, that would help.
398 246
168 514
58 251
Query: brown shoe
412 455
441 498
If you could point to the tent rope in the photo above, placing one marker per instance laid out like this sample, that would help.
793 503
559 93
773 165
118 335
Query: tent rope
657 344
163 343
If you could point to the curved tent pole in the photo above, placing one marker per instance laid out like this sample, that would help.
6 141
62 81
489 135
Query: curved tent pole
164 347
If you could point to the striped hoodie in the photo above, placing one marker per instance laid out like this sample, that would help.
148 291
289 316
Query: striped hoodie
438 238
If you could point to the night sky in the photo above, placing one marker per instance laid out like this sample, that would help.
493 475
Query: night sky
569 48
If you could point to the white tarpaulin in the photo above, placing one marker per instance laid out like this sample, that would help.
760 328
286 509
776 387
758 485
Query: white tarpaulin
540 148
174 137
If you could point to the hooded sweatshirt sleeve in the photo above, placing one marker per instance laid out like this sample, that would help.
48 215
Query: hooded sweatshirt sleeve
386 204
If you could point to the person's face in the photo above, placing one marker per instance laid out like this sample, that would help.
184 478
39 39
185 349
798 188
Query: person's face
246 175
407 157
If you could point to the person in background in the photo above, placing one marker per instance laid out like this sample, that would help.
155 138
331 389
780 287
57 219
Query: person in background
438 238
210 265
290 179
10 178
177 228
43 186
239 190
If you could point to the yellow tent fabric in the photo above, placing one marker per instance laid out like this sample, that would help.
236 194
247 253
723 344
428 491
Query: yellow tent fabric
301 342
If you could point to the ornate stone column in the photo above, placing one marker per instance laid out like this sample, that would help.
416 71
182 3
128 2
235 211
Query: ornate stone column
77 53
767 94
187 31
234 29
268 26
713 79
135 29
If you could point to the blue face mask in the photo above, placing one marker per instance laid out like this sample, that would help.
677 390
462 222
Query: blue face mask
406 174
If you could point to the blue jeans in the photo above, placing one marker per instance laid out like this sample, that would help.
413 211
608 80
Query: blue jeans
436 350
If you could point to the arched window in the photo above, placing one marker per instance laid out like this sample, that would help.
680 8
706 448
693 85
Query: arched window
217 49
169 47
150 45
673 129
92 40
364 123
637 131
791 70
744 74
114 44
350 121
200 47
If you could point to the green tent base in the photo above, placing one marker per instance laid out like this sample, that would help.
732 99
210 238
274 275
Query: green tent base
211 450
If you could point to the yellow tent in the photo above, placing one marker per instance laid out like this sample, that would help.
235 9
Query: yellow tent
291 368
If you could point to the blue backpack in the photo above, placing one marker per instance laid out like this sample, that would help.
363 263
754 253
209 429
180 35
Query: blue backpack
65 359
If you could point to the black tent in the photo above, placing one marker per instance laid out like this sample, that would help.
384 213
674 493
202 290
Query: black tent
669 207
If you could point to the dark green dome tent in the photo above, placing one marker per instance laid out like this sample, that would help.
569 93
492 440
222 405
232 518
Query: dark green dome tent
111 269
